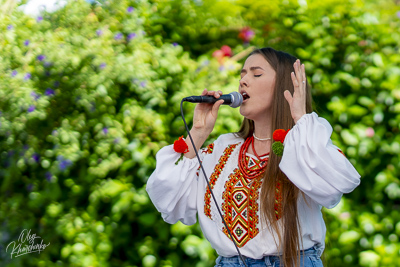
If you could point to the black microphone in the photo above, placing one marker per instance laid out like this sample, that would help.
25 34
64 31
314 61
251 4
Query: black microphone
233 99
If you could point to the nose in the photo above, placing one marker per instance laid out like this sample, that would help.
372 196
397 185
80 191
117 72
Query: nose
242 82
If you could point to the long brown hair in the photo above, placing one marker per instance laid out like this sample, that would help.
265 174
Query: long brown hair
288 230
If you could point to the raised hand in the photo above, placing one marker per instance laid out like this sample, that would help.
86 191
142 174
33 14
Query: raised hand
297 101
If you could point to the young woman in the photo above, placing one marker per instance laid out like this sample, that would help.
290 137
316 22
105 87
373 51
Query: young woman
272 204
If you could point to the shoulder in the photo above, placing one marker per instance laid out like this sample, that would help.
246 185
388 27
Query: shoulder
227 139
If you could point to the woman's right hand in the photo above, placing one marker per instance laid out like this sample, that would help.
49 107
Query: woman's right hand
204 118
205 114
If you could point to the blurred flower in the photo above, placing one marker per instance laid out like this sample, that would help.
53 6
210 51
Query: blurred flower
221 68
130 9
175 44
56 83
246 34
99 32
54 132
131 36
35 95
398 14
39 18
143 84
64 163
118 36
49 92
117 140
27 76
26 43
369 132
31 108
14 73
143 33
102 65
47 64
362 43
10 27
36 157
41 57
105 130
25 147
29 187
226 50
48 176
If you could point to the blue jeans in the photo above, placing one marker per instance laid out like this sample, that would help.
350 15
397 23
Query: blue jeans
308 258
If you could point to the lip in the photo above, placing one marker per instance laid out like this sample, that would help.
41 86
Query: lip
243 93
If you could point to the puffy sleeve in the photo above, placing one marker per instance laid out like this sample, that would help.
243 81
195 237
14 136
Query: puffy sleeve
314 164
173 188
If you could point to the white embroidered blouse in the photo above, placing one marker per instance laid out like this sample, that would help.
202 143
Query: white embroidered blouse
310 161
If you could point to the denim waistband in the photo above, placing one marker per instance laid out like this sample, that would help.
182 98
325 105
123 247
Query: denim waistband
268 260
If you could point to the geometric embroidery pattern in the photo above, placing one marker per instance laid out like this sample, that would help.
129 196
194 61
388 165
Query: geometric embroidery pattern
208 150
240 206
214 177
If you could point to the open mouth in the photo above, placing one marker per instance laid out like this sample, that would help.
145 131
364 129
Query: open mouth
245 96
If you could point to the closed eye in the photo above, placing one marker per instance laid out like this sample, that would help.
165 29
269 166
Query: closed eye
257 75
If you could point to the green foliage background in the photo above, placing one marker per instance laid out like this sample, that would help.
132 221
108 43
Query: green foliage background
90 92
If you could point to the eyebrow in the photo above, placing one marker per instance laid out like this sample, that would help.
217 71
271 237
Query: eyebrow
252 69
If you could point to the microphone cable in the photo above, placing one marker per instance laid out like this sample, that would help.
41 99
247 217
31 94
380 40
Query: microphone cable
209 187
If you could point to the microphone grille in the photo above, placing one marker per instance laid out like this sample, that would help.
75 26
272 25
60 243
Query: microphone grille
237 99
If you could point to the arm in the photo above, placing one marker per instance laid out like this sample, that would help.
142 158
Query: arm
314 164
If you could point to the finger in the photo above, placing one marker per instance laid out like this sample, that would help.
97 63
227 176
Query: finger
216 106
204 92
288 97
299 76
303 68
295 82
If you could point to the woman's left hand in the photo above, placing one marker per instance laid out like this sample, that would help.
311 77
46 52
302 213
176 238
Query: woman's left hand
297 102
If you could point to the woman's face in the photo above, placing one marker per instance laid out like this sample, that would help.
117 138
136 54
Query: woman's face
257 87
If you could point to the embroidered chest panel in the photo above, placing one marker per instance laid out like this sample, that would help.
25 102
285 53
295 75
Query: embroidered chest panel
240 207
214 177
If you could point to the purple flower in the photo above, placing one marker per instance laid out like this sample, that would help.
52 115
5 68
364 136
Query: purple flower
14 73
41 57
398 14
48 176
64 163
10 27
31 108
130 9
131 36
35 95
105 130
175 44
221 68
99 32
49 92
27 76
47 64
118 36
102 65
26 43
39 19
29 187
36 157
56 84
143 84
117 140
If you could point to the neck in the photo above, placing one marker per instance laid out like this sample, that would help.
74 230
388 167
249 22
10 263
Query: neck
262 129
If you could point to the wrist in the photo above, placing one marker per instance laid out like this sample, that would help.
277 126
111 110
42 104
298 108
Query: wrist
298 117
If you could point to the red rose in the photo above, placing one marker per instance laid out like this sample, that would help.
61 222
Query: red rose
180 146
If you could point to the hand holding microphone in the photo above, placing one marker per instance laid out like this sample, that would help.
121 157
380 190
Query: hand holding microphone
206 112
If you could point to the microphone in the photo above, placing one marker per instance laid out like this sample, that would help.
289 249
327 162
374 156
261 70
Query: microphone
233 99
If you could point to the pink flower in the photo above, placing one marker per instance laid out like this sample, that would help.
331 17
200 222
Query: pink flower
246 34
226 50
369 132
